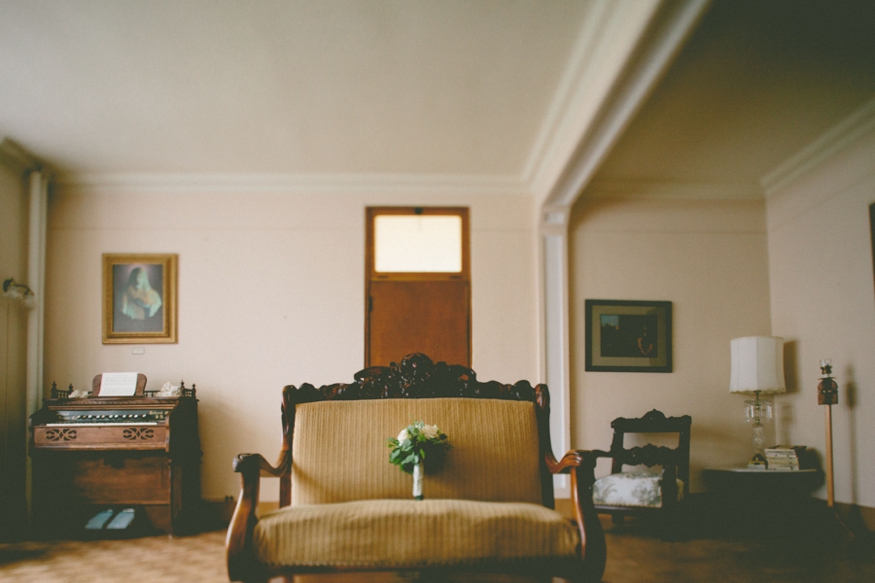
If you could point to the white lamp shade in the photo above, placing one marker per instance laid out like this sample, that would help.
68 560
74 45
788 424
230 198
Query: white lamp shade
757 365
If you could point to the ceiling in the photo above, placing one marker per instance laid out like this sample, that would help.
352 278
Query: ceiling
757 81
280 86
431 88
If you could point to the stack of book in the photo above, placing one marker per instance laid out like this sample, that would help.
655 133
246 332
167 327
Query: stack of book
784 457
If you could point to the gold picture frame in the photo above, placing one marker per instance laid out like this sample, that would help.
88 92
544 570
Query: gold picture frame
139 298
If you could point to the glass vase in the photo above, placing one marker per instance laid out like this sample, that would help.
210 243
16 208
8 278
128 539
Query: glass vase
417 481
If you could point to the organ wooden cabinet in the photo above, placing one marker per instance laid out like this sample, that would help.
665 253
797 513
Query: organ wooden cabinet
97 453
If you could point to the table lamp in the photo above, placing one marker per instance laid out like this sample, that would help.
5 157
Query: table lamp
757 367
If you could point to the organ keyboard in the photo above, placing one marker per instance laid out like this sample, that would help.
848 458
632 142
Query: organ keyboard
141 451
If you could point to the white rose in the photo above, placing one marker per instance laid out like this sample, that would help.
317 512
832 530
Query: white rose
430 431
402 436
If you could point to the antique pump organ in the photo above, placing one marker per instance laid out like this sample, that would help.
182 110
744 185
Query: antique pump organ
100 452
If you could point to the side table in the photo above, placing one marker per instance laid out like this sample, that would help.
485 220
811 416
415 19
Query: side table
762 502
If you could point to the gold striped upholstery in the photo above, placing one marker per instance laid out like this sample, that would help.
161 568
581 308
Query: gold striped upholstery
411 533
340 453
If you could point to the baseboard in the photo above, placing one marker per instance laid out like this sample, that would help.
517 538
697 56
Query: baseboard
216 514
857 518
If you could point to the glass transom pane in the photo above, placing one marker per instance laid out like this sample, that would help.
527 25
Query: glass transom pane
418 243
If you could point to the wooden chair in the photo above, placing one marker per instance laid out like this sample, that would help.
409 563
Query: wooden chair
344 507
623 494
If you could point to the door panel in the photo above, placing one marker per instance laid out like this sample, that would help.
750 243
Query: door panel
431 317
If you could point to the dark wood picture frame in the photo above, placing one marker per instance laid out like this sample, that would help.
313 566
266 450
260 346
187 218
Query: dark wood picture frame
628 336
139 298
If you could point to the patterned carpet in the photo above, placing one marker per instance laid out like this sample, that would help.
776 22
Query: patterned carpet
157 559
632 558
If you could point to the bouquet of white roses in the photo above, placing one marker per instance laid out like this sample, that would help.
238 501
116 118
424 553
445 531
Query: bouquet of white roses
416 442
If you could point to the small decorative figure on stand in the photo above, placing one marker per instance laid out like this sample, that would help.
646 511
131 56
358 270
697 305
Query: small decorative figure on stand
828 394
827 389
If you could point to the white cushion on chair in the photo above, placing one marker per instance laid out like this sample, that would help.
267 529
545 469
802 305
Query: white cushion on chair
638 489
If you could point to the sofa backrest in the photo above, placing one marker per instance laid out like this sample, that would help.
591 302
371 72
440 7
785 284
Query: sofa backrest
339 450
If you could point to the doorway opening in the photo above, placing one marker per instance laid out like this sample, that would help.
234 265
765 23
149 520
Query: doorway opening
418 284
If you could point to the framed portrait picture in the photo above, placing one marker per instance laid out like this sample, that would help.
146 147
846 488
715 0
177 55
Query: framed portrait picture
139 299
628 336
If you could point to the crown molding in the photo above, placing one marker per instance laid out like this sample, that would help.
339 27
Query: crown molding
664 30
294 183
584 82
573 83
17 158
831 142
666 190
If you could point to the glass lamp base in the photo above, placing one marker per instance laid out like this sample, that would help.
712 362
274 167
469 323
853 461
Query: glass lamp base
757 413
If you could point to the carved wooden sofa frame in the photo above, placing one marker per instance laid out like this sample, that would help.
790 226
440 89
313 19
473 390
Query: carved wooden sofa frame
417 377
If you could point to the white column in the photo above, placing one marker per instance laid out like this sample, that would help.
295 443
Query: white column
36 269
554 251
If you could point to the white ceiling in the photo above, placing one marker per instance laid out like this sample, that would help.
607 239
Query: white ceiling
756 82
292 87
443 89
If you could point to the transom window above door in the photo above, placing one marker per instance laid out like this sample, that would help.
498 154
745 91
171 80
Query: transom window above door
418 243
430 242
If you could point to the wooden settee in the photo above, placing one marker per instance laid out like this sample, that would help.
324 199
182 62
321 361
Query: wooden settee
488 509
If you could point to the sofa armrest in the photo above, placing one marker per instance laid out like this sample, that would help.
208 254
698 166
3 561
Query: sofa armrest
580 464
238 544
250 463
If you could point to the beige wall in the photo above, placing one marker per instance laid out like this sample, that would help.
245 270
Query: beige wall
13 343
823 304
271 290
709 258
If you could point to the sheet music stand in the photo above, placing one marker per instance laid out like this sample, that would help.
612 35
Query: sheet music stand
140 391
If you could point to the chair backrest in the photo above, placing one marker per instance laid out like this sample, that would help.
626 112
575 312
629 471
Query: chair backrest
653 422
335 436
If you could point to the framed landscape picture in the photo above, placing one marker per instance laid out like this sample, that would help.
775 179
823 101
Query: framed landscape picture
628 336
139 299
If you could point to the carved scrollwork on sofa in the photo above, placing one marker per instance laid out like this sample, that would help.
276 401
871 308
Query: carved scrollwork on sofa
417 376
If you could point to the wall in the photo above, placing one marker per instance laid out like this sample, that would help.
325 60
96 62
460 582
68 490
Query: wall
708 257
13 343
271 292
823 301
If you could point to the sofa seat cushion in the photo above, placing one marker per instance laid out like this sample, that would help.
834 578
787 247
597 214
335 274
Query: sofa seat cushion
412 533
637 489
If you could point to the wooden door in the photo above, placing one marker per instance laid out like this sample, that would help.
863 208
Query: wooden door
417 311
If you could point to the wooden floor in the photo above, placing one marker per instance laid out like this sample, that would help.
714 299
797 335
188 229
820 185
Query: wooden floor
634 556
